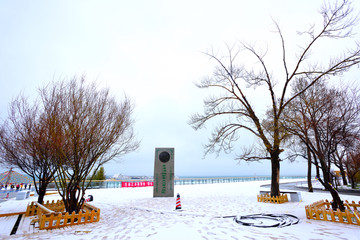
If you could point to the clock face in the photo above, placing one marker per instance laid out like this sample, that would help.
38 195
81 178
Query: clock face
164 156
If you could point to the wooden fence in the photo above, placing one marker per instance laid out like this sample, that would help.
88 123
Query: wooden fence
267 198
51 215
322 210
10 214
59 220
35 208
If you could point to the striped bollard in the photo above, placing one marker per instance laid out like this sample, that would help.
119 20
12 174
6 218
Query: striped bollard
178 203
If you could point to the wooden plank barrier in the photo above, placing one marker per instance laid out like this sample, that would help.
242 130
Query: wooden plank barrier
59 220
11 214
267 198
33 207
321 210
51 215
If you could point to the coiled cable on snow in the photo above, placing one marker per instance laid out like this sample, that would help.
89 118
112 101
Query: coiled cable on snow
267 220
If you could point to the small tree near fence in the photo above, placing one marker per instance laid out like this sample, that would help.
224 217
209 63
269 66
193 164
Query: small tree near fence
94 129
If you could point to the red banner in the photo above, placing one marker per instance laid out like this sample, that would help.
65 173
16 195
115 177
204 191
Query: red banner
137 184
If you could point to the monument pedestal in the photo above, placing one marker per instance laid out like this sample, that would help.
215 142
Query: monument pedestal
164 172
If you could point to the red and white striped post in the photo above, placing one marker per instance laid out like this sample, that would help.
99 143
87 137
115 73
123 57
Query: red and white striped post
178 203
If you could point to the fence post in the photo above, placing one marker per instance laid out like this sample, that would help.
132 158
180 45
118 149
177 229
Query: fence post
339 214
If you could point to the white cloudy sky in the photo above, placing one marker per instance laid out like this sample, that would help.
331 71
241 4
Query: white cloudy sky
150 50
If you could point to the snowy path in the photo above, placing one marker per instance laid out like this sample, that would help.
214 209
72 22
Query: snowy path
7 224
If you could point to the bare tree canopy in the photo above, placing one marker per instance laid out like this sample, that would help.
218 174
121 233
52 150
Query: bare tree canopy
352 164
66 135
233 78
26 139
325 120
94 129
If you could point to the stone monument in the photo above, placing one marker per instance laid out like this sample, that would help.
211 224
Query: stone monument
164 172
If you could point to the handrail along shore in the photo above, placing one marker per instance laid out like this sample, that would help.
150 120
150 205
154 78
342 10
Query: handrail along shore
117 183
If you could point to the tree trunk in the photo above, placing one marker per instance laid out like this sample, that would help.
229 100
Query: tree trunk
337 203
343 175
352 181
73 198
71 206
41 196
310 188
41 191
326 182
275 175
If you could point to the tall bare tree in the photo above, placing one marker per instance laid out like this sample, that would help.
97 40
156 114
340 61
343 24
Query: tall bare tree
26 139
325 119
232 79
94 129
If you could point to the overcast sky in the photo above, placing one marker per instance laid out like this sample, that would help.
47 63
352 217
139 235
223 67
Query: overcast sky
153 52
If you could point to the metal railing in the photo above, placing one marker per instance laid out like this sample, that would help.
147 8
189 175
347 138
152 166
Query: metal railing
187 181
97 184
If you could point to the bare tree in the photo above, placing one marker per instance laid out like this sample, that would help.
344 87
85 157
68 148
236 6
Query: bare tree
232 79
94 129
25 142
352 164
339 161
324 119
298 147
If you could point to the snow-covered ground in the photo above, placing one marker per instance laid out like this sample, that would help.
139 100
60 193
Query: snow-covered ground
132 213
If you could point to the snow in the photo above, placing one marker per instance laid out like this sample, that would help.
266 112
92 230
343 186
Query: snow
132 213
